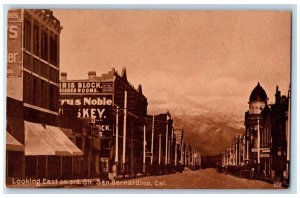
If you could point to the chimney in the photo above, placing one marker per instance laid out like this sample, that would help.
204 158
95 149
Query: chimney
277 95
63 76
113 70
140 89
92 75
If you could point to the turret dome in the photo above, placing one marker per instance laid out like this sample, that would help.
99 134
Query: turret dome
258 94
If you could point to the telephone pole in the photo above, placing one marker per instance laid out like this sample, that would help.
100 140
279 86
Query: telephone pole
124 133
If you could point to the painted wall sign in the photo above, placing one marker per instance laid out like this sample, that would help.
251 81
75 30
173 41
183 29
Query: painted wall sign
96 107
85 87
14 43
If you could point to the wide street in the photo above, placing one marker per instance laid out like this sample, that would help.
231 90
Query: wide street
200 179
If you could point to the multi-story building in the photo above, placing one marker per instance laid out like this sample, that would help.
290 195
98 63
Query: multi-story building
264 150
258 132
32 97
267 135
280 114
117 111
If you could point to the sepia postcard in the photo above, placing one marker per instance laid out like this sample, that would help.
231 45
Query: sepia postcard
148 99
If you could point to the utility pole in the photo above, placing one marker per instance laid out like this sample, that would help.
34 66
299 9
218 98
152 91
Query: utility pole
288 134
124 133
233 155
175 154
181 154
159 148
247 148
115 166
199 160
258 142
171 154
236 150
227 157
244 148
166 153
169 150
185 155
240 150
144 151
152 140
192 155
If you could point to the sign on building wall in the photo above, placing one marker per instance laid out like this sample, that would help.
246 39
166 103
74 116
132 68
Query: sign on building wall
14 43
85 87
178 135
96 107
14 55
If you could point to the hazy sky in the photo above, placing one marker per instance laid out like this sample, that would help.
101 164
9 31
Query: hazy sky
202 54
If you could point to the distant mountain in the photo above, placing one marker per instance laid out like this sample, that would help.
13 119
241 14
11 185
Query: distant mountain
164 99
209 125
211 136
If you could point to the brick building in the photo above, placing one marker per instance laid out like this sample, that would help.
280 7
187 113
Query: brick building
117 111
43 151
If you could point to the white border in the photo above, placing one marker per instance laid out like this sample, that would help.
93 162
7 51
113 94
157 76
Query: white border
159 2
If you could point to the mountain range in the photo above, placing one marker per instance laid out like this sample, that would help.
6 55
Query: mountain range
209 124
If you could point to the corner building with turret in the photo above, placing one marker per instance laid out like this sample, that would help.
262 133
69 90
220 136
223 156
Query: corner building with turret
267 136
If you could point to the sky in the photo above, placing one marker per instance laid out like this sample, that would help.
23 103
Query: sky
203 55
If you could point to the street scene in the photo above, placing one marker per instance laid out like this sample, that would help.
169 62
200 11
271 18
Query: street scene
156 99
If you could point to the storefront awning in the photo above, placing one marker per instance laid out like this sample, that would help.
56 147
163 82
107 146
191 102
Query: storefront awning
12 144
48 140
57 133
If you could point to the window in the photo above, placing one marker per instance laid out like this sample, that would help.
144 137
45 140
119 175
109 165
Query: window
53 97
27 34
36 41
28 88
36 91
27 61
25 90
36 66
53 50
54 75
45 93
44 45
45 70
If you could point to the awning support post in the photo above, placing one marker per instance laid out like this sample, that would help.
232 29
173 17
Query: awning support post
46 167
61 164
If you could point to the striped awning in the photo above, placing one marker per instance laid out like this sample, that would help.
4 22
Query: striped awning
48 140
12 144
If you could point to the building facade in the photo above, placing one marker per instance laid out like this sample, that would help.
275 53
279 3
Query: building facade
118 138
264 150
32 95
258 132
117 111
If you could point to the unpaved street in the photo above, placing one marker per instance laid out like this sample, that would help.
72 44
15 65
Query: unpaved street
200 179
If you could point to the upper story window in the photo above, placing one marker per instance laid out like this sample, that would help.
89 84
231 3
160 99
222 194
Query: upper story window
54 49
27 35
36 40
44 45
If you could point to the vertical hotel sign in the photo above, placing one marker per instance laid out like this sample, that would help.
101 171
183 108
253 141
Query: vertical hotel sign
14 55
14 43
